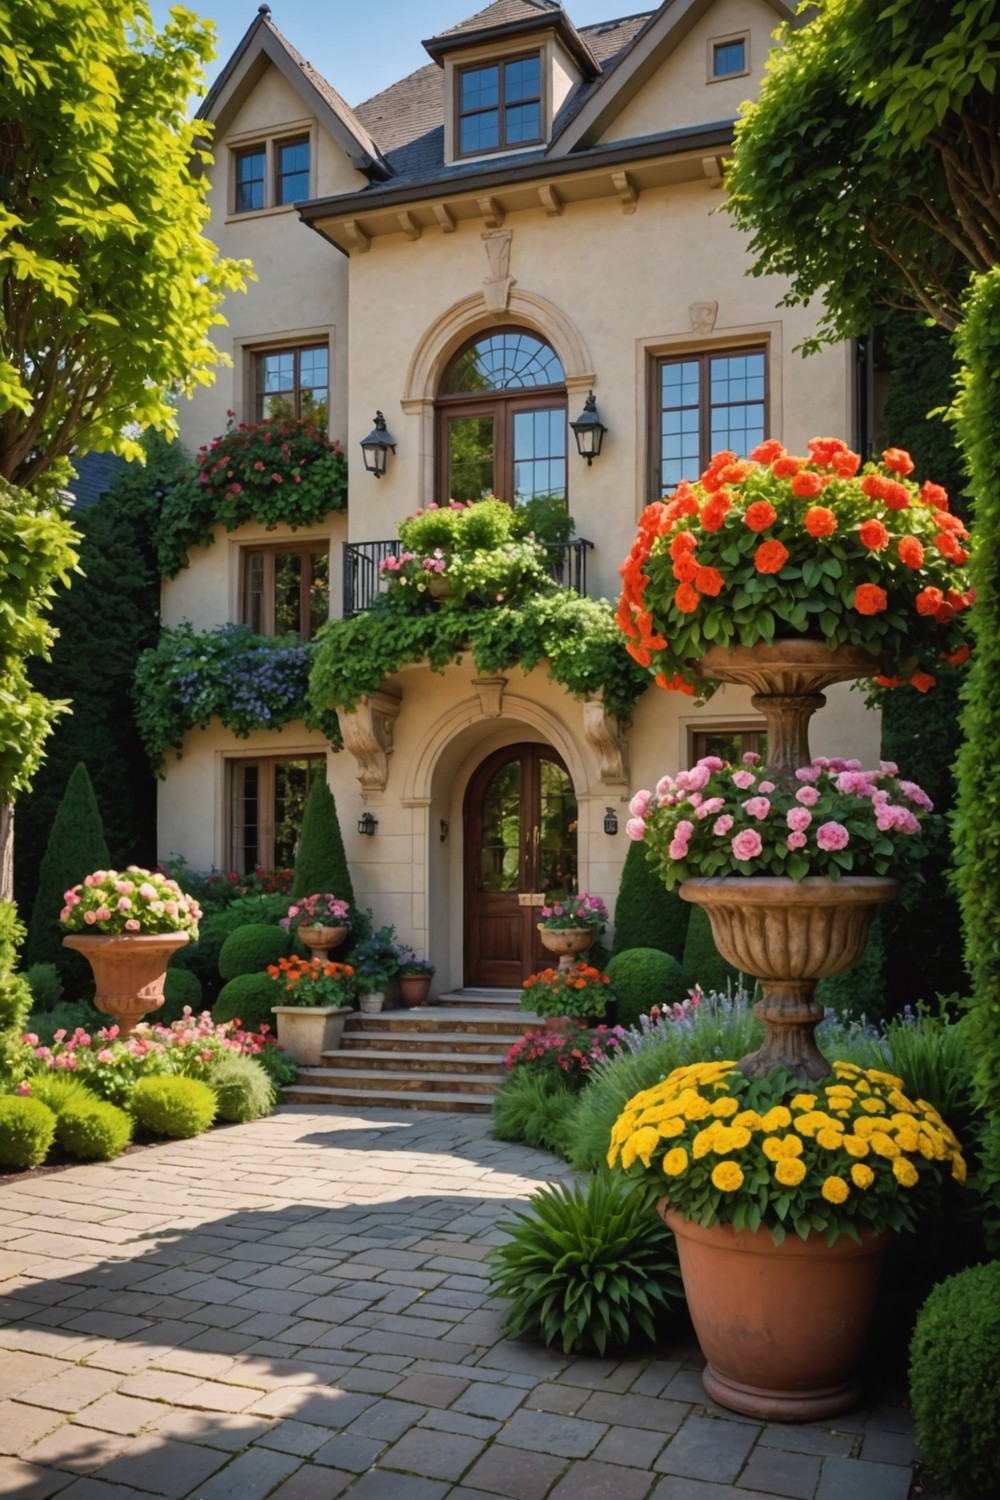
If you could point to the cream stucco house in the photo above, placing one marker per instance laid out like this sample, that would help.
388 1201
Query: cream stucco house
530 217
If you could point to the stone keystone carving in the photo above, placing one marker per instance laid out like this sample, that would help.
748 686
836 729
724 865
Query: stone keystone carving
490 690
496 286
703 316
368 736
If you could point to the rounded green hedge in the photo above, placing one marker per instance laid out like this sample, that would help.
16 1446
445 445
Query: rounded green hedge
249 999
181 987
93 1132
241 1087
166 1104
641 978
27 1130
61 1091
955 1379
250 949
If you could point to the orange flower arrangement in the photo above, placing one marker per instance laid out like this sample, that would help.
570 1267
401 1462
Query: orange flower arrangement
581 991
308 982
784 545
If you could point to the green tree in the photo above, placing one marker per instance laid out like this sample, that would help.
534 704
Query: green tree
866 170
109 292
320 861
109 287
76 847
103 623
36 552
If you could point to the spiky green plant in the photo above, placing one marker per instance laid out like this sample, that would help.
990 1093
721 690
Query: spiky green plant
588 1268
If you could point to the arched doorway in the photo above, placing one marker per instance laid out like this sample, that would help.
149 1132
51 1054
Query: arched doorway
520 822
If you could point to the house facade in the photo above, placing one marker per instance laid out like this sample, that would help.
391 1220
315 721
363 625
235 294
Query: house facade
531 218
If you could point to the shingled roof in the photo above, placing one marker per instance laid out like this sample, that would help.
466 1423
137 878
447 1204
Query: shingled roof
500 14
407 119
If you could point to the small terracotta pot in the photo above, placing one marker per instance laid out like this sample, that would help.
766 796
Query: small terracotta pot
568 942
781 1326
414 988
565 1023
129 971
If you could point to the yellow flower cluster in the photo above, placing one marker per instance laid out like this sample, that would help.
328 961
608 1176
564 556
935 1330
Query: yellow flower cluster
854 1135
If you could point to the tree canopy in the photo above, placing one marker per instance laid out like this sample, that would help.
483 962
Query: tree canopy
109 288
868 169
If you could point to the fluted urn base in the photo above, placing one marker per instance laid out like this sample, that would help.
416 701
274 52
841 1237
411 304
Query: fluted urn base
129 971
789 935
568 942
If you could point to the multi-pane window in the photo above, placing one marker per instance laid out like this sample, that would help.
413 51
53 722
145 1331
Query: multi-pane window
251 176
502 421
286 589
294 383
270 174
499 105
729 57
292 171
267 798
705 402
728 744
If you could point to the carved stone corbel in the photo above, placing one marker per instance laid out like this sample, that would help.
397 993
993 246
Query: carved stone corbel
368 736
490 690
496 286
605 737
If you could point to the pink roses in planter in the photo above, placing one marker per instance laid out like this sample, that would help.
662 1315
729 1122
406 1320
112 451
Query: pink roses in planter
132 901
717 819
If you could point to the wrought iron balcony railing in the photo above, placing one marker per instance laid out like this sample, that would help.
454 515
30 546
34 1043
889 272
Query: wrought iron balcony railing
363 583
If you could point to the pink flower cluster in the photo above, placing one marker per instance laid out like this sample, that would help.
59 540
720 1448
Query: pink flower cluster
715 819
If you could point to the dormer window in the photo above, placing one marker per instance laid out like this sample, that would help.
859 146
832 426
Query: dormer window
499 104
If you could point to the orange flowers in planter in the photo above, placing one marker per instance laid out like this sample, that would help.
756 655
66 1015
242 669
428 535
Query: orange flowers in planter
744 555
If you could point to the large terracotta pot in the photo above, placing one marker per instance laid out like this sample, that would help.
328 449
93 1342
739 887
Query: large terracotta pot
568 942
129 971
319 940
789 934
781 1326
307 1031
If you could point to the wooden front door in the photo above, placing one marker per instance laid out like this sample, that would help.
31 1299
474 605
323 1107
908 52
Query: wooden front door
520 846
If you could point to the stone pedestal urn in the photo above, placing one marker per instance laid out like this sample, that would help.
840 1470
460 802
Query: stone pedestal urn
307 1031
320 940
129 971
789 934
568 942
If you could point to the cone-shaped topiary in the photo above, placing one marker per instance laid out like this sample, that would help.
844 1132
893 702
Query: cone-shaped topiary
703 964
641 978
320 861
647 915
76 847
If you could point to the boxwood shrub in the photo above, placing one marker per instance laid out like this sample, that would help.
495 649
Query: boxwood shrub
166 1104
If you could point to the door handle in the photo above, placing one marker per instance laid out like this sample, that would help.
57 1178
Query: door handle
531 898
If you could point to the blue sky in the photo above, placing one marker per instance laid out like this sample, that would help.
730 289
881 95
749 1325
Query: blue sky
361 46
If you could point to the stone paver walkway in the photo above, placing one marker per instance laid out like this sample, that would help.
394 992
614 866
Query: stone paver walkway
297 1309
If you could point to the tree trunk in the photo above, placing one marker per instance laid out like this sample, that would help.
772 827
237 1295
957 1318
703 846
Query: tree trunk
6 851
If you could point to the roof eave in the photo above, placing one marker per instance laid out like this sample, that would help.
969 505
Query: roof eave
440 47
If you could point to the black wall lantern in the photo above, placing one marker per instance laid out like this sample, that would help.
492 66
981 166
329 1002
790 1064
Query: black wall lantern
376 447
610 821
368 825
589 431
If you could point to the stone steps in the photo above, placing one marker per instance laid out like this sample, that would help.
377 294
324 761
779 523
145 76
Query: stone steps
444 1056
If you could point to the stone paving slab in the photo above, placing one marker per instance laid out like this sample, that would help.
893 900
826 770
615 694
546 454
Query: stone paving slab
297 1309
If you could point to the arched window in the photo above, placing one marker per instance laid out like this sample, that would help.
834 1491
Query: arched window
502 420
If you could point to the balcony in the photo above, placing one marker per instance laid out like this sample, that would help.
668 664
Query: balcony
362 560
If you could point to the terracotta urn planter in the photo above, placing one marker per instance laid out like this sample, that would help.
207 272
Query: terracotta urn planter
129 971
781 1326
568 942
307 1031
320 940
414 988
789 934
